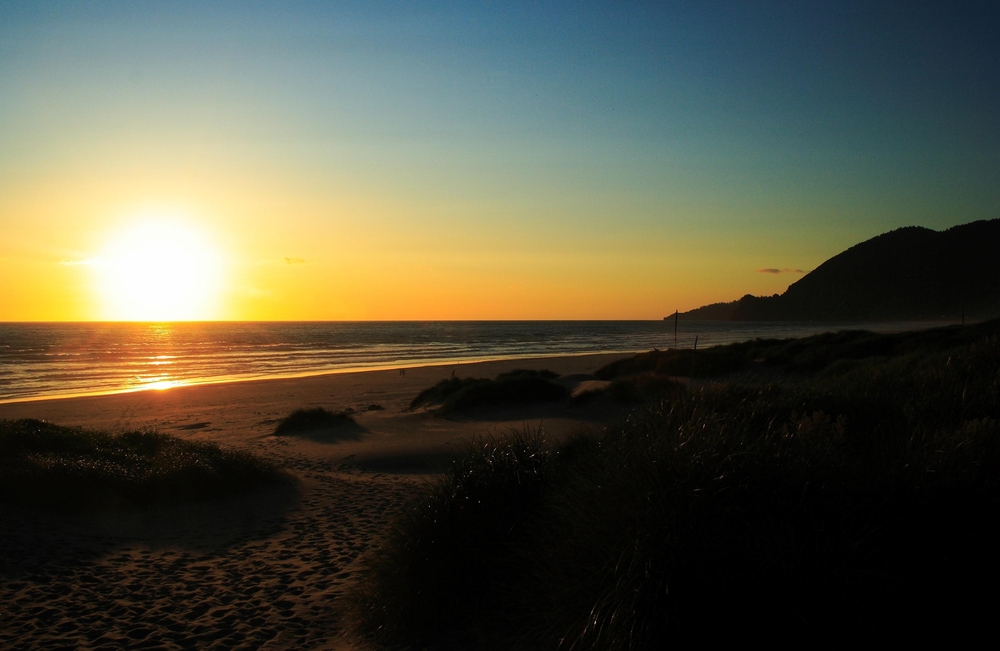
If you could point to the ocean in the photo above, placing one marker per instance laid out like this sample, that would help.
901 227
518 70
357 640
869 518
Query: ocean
47 360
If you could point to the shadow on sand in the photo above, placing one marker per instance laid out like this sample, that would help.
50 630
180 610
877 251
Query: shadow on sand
35 540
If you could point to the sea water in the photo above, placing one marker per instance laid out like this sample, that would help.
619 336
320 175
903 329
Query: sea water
44 360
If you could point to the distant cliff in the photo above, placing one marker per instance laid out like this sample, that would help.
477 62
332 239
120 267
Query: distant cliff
910 273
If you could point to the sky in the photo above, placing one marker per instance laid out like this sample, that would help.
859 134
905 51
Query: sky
428 160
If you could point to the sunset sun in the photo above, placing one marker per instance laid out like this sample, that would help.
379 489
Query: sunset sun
160 271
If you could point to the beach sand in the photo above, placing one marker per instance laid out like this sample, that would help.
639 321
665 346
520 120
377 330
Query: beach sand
252 571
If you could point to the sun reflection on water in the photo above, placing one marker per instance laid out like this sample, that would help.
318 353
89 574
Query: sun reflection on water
160 385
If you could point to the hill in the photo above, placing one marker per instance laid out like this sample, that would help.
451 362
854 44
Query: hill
910 273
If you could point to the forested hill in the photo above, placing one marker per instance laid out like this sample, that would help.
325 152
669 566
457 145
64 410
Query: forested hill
910 273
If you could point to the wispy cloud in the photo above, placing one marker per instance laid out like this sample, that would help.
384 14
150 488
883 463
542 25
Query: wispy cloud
285 260
780 271
84 262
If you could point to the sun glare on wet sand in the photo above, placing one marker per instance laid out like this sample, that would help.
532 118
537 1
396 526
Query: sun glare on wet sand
160 271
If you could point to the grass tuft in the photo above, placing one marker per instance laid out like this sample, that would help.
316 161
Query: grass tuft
308 420
461 395
430 580
634 390
443 390
42 464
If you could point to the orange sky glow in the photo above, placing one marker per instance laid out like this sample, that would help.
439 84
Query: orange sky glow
193 161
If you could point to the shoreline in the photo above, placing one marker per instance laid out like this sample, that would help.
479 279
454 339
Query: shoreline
415 364
234 410
129 371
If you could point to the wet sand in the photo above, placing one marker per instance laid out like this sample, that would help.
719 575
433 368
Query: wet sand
255 571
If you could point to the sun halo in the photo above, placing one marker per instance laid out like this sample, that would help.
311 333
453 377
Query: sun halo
160 271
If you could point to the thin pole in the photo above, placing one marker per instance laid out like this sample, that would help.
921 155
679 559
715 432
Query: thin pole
694 358
676 316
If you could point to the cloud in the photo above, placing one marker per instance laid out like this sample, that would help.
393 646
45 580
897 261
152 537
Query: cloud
285 260
85 262
780 271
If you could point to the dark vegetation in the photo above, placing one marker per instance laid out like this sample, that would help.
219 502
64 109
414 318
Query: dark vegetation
461 395
720 360
308 420
42 464
828 354
633 390
323 426
908 273
852 502
436 573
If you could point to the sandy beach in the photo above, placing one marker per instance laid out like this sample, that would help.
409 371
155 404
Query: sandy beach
253 571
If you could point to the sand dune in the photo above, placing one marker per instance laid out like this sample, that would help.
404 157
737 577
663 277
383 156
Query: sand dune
256 571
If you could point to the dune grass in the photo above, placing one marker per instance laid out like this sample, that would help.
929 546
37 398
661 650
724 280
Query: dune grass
634 390
834 352
307 420
321 425
461 395
47 465
719 360
424 586
822 508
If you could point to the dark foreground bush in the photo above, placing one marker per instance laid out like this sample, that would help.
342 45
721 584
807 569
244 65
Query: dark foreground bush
47 465
425 585
856 506
459 395
308 420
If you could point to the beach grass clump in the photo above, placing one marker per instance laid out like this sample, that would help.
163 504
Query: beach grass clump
633 390
817 509
720 360
803 513
47 465
432 580
309 420
461 395
443 390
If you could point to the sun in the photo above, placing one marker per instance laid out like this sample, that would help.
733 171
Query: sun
160 271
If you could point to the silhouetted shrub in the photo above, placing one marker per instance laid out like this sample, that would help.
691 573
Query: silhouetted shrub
431 579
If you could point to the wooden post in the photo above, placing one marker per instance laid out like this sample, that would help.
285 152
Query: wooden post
676 315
